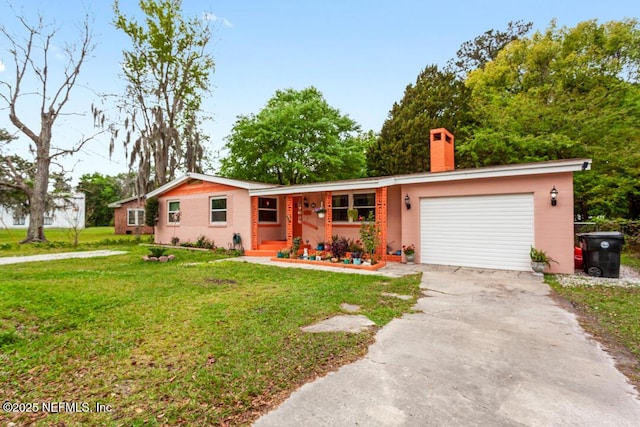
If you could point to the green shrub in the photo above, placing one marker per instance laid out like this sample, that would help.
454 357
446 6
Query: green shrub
157 252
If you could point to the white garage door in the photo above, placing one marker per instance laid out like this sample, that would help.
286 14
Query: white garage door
477 231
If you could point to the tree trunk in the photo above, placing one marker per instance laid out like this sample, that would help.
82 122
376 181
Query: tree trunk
38 198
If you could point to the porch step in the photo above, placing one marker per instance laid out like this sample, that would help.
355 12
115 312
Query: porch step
272 245
261 252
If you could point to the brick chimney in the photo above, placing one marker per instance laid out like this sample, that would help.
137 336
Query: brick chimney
441 150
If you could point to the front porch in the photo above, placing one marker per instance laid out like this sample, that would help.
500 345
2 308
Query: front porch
278 217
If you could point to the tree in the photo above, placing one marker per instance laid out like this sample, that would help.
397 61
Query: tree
297 138
437 99
99 191
474 54
566 92
167 71
53 89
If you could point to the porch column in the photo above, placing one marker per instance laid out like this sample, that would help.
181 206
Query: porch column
382 220
328 222
289 220
254 222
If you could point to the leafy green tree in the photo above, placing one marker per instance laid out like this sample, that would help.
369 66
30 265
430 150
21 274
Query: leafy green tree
297 138
437 99
566 92
474 54
167 70
99 191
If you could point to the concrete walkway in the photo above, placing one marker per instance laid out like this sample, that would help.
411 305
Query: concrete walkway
62 255
488 348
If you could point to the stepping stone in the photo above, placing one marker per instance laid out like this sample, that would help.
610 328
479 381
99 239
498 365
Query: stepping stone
403 297
343 323
351 308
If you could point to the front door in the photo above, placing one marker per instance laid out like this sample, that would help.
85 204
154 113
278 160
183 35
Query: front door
297 217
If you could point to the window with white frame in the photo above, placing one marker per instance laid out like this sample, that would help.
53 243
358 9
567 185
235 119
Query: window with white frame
173 211
218 210
19 220
135 217
47 220
267 209
364 203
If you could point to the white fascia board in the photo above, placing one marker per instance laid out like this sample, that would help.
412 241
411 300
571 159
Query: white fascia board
208 178
247 185
168 186
325 186
561 166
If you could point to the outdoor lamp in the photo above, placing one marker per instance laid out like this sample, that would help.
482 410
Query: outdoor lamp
407 201
554 196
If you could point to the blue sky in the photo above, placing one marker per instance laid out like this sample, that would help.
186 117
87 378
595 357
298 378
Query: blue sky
359 54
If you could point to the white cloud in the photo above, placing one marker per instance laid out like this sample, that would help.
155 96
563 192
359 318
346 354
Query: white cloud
208 16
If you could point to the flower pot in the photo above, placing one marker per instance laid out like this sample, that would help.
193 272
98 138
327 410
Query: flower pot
538 268
410 258
320 214
357 261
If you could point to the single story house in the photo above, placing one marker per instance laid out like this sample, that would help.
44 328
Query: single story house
129 216
67 212
483 217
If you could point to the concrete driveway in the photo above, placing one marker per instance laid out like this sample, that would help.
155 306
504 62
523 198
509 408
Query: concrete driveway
488 348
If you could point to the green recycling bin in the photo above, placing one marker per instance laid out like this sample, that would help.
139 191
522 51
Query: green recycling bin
601 253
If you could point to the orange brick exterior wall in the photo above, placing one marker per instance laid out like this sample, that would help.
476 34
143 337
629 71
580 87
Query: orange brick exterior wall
120 219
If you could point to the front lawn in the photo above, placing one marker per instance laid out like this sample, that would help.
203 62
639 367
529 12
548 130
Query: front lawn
186 342
62 240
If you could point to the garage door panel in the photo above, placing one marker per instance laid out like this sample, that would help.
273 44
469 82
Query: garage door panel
477 231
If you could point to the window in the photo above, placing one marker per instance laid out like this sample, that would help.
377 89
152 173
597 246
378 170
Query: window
267 209
47 220
339 207
135 217
218 209
19 220
174 212
364 203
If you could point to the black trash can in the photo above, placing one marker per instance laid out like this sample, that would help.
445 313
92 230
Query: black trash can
601 253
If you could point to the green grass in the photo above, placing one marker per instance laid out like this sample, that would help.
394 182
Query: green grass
61 240
181 343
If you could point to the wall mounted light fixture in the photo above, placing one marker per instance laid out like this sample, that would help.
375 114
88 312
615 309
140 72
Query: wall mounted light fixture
554 196
407 201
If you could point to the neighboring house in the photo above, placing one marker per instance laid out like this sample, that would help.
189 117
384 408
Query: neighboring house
129 216
68 213
483 217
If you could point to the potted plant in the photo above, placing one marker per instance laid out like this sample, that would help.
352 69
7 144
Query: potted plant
352 214
370 236
338 247
320 211
409 253
539 261
297 241
356 257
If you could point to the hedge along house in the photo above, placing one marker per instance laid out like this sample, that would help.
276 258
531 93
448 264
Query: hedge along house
483 217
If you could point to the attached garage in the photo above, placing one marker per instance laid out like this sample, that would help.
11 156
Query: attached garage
487 231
